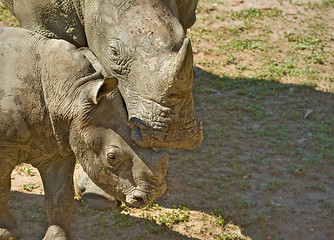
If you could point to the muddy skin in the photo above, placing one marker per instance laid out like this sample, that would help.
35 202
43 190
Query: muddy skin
151 57
57 105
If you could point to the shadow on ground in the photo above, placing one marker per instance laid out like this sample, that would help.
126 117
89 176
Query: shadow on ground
88 223
267 159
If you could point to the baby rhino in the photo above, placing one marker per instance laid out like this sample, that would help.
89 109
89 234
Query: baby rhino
57 105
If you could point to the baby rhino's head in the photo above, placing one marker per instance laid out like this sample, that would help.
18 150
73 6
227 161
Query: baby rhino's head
100 138
132 174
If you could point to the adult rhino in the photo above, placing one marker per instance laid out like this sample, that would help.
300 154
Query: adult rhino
56 106
141 42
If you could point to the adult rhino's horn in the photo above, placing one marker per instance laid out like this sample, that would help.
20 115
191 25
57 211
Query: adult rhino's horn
182 68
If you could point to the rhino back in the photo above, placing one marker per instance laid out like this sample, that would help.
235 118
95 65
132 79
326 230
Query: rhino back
35 71
21 99
54 19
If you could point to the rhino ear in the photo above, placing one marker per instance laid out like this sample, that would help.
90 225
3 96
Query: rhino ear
98 89
94 90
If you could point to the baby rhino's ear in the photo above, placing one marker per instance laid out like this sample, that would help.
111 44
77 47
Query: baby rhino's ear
99 88
108 85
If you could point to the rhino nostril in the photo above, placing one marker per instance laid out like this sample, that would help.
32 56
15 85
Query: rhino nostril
137 123
136 135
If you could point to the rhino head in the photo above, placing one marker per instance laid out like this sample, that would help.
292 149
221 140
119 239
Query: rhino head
100 138
101 142
143 44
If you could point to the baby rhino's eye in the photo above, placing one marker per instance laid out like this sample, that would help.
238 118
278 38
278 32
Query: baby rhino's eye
113 157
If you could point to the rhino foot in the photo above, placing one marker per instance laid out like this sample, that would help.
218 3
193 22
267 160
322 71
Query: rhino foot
93 196
55 233
6 234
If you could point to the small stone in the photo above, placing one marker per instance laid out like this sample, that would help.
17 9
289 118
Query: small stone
55 233
308 112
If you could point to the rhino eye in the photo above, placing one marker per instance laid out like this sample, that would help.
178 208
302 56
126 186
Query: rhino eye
113 159
113 52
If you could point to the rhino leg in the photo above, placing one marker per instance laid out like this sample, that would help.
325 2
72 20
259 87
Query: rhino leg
57 176
8 225
92 195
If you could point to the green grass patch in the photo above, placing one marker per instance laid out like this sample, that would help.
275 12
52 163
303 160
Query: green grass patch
274 185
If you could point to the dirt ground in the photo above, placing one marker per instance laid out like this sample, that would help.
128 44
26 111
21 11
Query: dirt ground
264 85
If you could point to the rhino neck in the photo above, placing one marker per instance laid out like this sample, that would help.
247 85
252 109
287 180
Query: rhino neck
61 84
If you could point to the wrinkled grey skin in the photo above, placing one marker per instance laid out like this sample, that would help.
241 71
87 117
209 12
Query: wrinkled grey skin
143 43
56 106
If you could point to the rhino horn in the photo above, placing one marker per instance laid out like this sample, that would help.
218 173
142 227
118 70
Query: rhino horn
182 68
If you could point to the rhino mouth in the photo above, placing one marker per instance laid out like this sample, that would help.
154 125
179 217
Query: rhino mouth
140 197
173 127
135 202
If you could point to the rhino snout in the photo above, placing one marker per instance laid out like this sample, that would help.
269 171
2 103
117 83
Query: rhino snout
159 166
134 201
150 181
141 197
